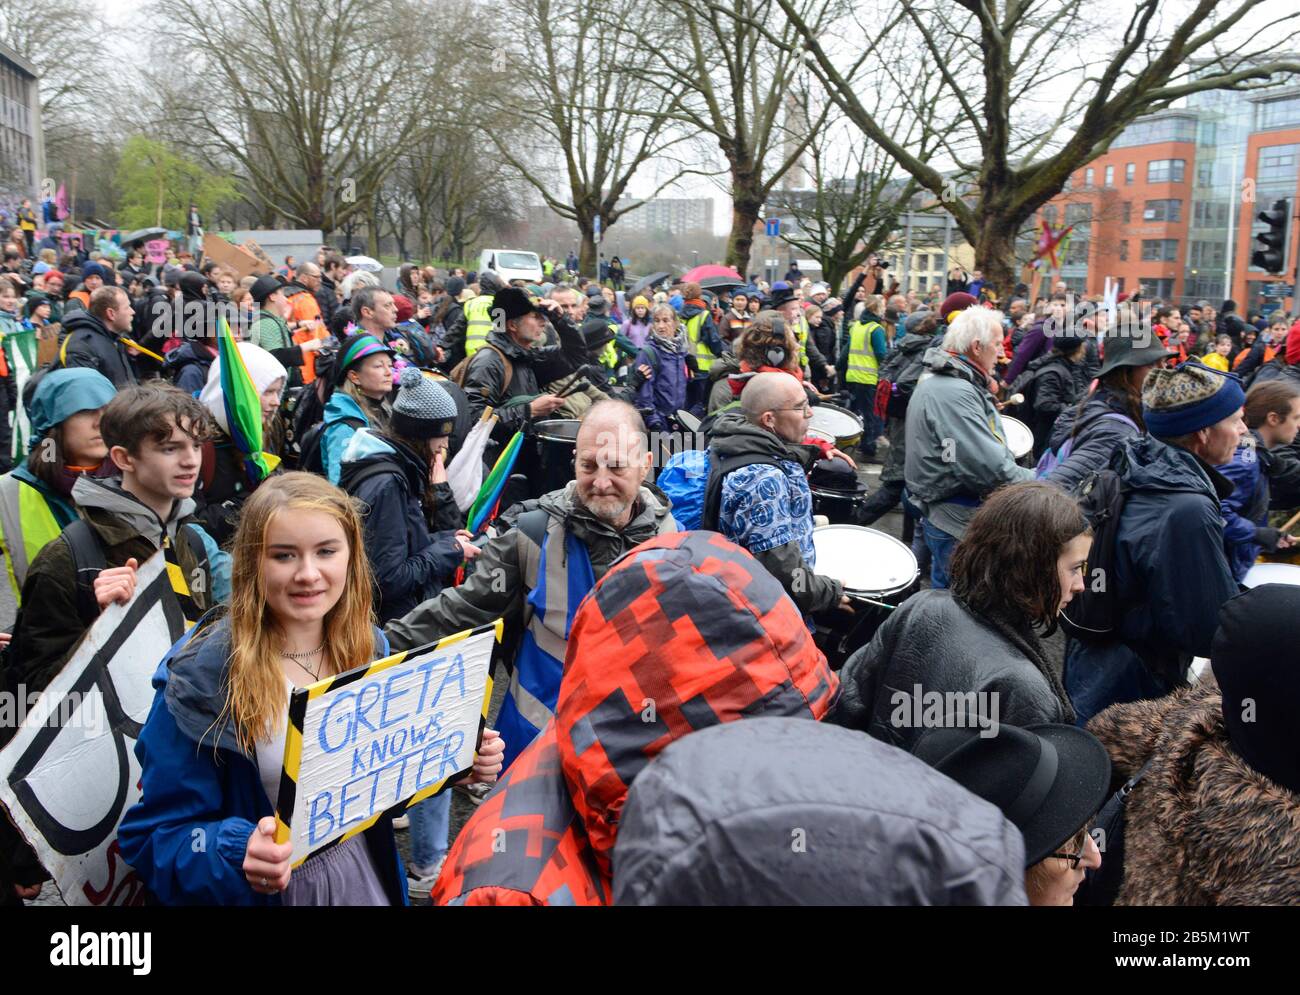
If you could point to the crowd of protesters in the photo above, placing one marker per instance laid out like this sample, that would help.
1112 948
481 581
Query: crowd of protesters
1164 454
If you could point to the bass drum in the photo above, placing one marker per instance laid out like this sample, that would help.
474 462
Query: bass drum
556 441
878 572
838 423
1020 440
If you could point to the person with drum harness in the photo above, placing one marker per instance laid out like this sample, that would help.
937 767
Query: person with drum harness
758 496
790 308
956 444
536 574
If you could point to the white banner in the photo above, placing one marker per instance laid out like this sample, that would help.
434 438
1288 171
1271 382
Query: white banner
70 772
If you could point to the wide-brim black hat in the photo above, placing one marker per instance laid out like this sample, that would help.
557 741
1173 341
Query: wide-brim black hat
513 303
1048 779
1123 350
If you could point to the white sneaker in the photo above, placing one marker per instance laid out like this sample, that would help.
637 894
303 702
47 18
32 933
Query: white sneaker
402 822
420 880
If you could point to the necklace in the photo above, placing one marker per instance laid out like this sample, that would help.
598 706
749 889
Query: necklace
300 658
304 654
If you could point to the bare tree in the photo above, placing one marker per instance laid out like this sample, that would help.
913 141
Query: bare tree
314 100
739 88
857 192
577 112
1012 60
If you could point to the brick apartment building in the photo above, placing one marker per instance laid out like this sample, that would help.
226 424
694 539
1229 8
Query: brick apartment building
1172 204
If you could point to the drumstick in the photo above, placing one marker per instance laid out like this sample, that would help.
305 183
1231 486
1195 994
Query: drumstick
1290 522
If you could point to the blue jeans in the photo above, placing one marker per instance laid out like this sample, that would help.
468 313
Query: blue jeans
430 823
941 545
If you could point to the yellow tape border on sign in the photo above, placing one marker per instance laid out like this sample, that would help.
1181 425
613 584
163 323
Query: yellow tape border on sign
287 795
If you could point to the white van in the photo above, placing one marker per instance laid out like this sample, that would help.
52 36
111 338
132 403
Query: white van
512 264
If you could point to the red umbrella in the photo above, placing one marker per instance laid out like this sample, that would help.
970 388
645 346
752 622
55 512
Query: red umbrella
704 272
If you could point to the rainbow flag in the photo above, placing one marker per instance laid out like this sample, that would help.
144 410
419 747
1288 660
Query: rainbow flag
243 407
490 492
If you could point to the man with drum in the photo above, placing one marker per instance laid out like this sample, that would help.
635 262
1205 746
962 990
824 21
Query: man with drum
758 495
956 445
535 575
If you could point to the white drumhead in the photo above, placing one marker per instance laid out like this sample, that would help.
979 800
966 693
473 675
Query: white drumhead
839 423
1267 573
863 560
1020 440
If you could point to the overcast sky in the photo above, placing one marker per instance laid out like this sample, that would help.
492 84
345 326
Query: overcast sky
125 40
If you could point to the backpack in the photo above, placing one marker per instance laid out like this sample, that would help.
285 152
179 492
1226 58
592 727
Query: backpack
1094 613
899 375
1049 461
684 479
88 560
309 454
459 371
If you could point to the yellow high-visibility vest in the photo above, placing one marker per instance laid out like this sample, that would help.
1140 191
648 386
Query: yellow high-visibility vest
863 366
27 525
699 349
478 323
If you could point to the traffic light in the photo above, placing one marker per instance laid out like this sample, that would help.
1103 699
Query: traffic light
1272 257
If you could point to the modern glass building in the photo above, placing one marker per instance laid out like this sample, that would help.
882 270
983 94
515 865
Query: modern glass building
1172 204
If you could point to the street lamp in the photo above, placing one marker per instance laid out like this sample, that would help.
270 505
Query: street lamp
696 254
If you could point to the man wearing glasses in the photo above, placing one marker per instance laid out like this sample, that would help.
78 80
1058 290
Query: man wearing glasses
535 576
758 495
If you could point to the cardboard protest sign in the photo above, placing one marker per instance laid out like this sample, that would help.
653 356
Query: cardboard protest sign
70 772
155 251
385 735
234 257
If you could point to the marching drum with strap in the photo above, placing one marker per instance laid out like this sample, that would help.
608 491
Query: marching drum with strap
878 573
840 424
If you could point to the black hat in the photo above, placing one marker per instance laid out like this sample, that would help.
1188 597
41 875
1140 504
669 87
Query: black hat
263 288
781 292
1255 662
1048 780
513 303
1121 349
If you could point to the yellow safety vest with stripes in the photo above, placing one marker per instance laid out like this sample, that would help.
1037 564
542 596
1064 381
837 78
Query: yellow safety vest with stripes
27 525
801 336
863 366
478 323
699 349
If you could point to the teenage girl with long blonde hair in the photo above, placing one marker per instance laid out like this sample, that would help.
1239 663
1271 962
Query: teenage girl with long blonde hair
211 750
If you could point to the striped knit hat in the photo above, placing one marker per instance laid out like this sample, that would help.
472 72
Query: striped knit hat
355 348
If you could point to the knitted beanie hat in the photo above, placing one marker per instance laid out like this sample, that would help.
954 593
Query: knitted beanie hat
1188 398
422 408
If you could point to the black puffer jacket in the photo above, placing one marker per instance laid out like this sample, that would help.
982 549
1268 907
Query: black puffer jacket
1057 384
712 820
91 344
934 641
